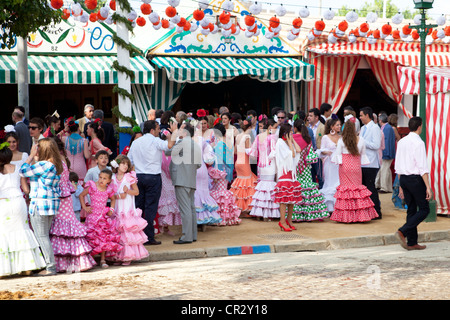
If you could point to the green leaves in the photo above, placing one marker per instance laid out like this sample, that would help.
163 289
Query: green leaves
21 17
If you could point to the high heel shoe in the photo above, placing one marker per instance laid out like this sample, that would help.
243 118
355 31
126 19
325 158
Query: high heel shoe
283 227
291 226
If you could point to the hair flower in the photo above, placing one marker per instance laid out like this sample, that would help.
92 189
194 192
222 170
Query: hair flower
201 113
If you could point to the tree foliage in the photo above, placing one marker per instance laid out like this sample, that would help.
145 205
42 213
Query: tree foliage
377 6
21 17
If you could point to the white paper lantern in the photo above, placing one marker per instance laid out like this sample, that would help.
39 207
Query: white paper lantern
248 34
238 30
255 8
277 29
204 22
258 31
291 36
280 10
104 11
215 30
332 38
371 39
352 38
389 39
304 12
417 19
84 17
351 16
329 14
295 31
398 18
76 9
441 20
372 17
228 6
226 33
440 34
311 36
194 27
146 1
203 4
173 3
157 26
228 25
269 34
204 31
132 15
175 19
153 17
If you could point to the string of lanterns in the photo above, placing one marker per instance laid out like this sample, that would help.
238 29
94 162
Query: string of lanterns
250 27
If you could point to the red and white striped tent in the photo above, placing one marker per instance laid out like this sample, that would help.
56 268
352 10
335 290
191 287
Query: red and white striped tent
336 65
438 125
396 67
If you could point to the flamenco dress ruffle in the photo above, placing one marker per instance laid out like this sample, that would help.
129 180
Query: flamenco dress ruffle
263 204
228 211
205 205
313 206
353 203
287 190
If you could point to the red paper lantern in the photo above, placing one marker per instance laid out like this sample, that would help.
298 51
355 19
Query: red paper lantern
297 23
274 22
65 14
396 34
140 21
364 27
211 27
406 30
165 23
249 20
112 5
93 17
376 34
224 17
415 35
57 4
447 31
187 26
171 12
198 15
343 26
319 25
146 8
182 22
386 29
91 4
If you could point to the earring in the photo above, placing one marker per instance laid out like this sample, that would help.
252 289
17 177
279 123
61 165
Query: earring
332 132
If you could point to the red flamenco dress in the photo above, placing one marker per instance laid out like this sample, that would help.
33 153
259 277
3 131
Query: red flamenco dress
353 203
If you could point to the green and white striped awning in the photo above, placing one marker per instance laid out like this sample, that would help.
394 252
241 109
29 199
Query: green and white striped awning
215 70
44 69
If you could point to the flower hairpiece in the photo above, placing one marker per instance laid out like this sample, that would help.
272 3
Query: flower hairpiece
9 128
262 117
201 113
136 129
115 163
3 145
217 121
55 114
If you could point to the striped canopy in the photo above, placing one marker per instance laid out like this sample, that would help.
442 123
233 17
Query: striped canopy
215 70
437 79
44 69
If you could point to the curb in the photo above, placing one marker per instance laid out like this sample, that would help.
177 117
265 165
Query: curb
297 246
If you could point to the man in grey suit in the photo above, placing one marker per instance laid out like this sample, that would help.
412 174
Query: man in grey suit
22 132
186 159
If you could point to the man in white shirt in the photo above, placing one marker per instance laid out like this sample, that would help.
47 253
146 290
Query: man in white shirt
146 156
371 133
411 166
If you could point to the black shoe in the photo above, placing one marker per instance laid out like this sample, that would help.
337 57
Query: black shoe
181 241
152 242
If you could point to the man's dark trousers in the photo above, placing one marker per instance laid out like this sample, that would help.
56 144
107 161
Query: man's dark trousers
414 191
368 179
148 199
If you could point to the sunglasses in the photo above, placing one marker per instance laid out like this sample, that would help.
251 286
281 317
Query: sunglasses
33 128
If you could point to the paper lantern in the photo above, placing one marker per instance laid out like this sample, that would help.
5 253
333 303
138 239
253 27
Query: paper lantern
93 17
274 22
447 31
304 12
406 30
65 14
389 39
351 16
56 4
398 18
203 4
182 22
171 11
440 21
256 8
173 3
319 25
165 23
90 4
140 21
100 17
386 29
329 14
396 34
249 20
228 5
364 27
112 5
146 9
187 26
154 17
343 26
297 23
224 17
372 17
280 10
376 34
198 14
76 9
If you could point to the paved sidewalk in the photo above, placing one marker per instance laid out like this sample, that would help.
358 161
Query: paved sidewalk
253 236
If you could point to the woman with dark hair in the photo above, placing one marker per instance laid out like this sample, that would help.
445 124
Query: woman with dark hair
243 187
53 125
263 149
95 131
67 234
13 141
312 207
353 203
328 145
44 177
77 149
288 190
19 246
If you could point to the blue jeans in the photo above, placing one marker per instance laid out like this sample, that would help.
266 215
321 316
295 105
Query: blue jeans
148 199
41 228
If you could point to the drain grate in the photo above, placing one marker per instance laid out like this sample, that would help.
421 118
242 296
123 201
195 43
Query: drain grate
282 236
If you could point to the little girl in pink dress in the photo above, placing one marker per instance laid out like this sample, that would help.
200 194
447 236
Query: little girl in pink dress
130 223
101 230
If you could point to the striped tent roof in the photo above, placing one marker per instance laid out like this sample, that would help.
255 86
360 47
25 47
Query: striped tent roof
437 79
44 69
407 54
215 70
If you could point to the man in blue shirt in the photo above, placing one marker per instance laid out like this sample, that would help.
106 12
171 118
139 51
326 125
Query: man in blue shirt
384 176
371 133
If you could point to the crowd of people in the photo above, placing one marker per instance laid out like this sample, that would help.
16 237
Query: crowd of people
67 192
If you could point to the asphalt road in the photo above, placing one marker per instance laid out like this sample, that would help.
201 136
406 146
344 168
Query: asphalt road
372 273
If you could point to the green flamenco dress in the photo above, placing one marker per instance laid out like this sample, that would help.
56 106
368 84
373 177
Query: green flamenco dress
313 206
